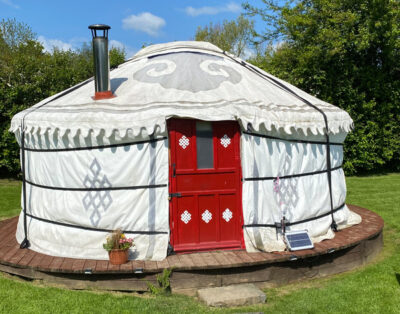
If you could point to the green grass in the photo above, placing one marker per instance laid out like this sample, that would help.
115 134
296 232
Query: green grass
10 198
370 289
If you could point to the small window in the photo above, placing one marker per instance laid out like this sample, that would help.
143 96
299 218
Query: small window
205 150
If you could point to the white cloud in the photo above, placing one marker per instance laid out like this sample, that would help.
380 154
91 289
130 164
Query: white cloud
75 43
10 3
229 7
50 44
145 22
116 44
278 44
128 50
248 53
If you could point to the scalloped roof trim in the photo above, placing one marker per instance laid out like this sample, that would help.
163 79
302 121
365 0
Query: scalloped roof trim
335 127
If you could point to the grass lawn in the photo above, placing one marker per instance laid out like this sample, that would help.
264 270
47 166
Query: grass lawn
10 198
372 289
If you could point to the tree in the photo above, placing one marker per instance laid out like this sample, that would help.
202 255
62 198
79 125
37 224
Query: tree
14 33
28 75
231 36
347 53
117 56
20 58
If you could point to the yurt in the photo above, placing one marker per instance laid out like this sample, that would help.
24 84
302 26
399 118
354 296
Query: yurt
184 147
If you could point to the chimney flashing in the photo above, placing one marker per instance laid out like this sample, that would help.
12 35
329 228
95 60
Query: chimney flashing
103 95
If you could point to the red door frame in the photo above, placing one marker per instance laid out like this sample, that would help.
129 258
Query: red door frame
173 219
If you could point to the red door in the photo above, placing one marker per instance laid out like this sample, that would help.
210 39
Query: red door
205 185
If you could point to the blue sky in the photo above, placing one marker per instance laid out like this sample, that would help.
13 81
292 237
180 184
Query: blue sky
133 23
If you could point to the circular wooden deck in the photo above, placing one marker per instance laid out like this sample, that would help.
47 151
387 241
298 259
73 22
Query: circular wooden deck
350 248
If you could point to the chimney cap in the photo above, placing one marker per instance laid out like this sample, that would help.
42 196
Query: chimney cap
99 26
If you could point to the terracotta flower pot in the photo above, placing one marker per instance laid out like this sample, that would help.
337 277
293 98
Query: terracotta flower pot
118 257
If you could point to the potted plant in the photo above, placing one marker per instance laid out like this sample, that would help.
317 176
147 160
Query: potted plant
117 245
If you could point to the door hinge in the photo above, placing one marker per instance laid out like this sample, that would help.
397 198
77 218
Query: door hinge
171 195
173 170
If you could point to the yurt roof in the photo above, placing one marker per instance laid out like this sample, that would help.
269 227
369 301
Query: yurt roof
183 79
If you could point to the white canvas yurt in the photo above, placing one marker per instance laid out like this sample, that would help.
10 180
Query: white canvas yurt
192 149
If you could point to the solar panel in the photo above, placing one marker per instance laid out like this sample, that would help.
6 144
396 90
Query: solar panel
298 240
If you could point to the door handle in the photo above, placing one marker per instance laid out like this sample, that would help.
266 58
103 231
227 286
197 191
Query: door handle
173 170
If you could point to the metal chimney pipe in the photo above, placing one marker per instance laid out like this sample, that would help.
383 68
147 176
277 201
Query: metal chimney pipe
101 61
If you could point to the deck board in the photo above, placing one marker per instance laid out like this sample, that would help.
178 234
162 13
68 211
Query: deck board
56 263
18 256
27 258
210 259
198 260
186 261
46 261
174 260
234 260
36 260
222 260
163 264
11 253
127 267
7 237
101 266
90 265
150 266
66 265
78 265
244 257
138 266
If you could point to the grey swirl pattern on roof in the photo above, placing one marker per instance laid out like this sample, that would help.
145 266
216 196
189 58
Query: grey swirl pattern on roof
188 71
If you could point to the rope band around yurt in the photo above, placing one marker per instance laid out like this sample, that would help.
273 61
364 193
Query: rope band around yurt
111 188
305 101
295 222
72 149
93 229
25 243
288 139
291 175
151 186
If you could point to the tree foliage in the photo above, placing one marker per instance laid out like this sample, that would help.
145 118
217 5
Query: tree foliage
231 36
28 74
117 56
347 53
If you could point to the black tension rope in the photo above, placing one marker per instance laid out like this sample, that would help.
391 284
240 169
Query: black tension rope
288 139
25 243
291 175
295 222
327 142
93 229
110 188
50 150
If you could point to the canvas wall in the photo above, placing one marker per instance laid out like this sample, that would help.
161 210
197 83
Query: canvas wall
122 168
297 198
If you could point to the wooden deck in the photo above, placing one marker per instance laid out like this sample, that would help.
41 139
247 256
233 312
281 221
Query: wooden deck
30 264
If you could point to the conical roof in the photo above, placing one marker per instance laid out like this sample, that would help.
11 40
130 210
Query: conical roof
183 79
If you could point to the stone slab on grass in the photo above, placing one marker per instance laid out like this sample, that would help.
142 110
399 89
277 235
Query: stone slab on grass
236 295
